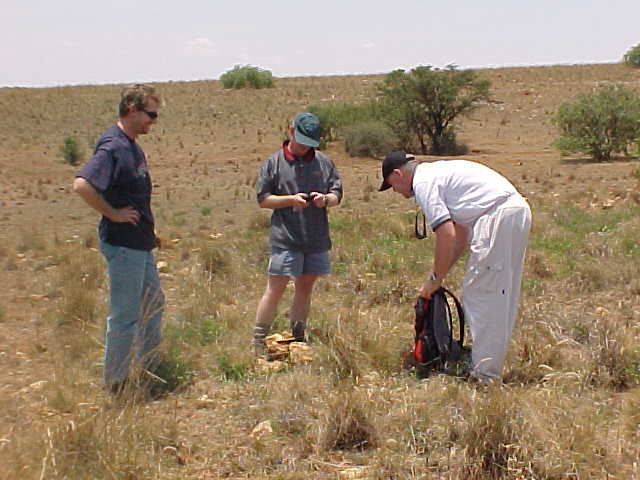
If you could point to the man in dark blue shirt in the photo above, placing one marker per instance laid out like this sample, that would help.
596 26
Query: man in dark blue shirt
116 183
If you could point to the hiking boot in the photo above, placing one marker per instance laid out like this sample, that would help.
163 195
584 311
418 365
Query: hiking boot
297 332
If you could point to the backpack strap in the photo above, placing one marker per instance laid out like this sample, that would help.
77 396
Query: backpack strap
423 234
460 314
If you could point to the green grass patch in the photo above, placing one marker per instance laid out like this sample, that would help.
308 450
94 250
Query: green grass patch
230 369
195 331
174 372
570 230
630 246
576 220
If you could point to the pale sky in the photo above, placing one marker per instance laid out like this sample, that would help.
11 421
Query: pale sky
49 42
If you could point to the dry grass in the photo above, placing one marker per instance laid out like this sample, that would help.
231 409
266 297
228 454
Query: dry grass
568 408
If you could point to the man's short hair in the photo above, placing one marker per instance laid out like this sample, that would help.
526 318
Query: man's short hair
137 95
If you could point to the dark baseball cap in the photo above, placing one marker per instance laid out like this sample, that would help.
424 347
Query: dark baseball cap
392 161
306 129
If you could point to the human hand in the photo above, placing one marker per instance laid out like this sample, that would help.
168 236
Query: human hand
319 199
429 287
299 201
125 215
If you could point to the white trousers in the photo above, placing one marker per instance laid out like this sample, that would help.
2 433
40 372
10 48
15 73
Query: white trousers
491 288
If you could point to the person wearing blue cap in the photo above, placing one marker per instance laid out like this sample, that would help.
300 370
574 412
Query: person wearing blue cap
299 183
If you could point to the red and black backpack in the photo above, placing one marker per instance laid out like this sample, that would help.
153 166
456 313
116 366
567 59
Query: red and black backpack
435 344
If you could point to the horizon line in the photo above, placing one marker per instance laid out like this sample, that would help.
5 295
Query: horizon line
290 76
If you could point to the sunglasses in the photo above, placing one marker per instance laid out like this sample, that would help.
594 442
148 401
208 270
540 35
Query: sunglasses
152 115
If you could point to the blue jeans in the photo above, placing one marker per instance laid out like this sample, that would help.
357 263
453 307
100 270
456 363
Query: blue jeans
136 303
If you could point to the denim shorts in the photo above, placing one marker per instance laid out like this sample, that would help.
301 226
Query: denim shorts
293 263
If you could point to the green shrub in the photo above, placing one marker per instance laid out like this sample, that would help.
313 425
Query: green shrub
71 151
632 57
335 117
421 105
600 123
247 76
372 139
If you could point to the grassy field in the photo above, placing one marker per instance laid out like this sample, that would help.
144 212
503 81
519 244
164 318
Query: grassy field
570 404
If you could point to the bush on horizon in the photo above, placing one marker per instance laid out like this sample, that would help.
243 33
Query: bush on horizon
600 124
246 76
632 57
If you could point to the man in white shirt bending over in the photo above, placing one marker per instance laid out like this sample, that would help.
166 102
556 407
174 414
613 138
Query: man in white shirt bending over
466 203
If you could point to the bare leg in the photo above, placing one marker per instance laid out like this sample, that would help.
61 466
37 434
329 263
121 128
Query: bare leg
301 304
268 306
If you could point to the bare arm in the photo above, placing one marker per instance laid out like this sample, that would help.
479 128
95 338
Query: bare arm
451 240
446 243
461 239
96 201
299 200
275 202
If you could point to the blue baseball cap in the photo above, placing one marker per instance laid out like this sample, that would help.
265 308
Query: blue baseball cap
306 129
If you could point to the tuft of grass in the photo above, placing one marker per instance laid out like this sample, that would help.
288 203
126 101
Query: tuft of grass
79 276
348 426
169 374
492 435
231 369
213 260
616 361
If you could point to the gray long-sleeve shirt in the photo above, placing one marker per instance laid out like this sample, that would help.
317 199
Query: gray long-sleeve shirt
306 229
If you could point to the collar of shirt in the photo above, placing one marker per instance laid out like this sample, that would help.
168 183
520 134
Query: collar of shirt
310 155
